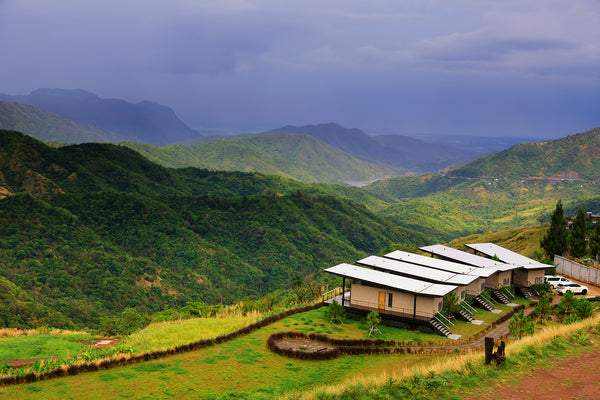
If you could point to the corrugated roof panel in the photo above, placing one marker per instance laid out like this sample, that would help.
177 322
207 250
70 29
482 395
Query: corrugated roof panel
507 256
398 282
467 258
437 263
416 271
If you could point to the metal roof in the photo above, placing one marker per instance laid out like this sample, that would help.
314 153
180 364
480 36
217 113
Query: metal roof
417 271
507 256
437 263
397 282
467 258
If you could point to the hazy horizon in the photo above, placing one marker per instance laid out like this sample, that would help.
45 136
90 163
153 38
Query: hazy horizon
515 68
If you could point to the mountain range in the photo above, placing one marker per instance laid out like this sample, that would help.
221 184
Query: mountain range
145 121
82 116
395 150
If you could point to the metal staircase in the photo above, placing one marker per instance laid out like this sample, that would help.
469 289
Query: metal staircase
483 303
466 316
500 296
441 324
526 292
466 312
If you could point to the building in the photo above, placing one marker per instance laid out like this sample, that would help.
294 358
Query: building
394 296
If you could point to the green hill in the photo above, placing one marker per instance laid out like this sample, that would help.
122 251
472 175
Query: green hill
89 230
573 157
299 157
50 127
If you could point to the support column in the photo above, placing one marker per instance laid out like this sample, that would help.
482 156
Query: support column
415 308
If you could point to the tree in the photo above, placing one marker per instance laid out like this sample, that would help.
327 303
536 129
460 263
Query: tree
577 244
297 284
555 240
595 241
373 319
543 307
567 305
521 325
451 304
583 308
129 322
335 312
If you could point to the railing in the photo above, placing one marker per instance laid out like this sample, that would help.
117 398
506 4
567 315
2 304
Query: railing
396 311
507 290
487 297
467 307
443 320
332 293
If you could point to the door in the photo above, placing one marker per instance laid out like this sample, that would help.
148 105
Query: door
382 301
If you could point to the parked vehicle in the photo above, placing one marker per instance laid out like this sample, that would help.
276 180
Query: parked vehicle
576 288
555 280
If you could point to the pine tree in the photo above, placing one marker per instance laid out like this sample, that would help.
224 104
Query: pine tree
555 240
577 244
595 241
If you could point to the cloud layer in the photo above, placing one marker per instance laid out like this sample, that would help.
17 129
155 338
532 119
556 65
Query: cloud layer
515 67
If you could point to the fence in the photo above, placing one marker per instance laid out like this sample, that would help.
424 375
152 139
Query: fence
577 271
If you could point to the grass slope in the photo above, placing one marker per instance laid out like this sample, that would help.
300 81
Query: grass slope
243 368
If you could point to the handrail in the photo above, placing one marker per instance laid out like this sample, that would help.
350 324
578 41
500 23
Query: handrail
487 297
440 318
467 307
507 291
332 293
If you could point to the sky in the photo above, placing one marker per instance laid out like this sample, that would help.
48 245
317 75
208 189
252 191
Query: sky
520 68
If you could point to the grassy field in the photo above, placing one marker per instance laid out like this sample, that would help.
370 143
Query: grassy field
242 368
15 344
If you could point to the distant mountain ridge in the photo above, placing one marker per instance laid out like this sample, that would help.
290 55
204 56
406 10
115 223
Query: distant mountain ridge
396 150
50 127
147 121
572 157
296 156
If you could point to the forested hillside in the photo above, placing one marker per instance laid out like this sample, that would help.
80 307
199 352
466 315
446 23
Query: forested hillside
89 230
573 157
295 156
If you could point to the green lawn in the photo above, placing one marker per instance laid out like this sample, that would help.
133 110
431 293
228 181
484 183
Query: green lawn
41 346
242 368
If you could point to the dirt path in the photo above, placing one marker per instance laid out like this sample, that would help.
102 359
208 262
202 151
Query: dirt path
574 377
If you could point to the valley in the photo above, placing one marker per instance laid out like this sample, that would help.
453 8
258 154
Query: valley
92 234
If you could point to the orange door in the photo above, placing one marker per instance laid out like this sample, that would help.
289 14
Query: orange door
382 300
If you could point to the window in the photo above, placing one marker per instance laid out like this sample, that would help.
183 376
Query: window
483 286
390 299
539 279
462 295
440 305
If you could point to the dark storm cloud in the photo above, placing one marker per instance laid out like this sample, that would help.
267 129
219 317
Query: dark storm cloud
466 66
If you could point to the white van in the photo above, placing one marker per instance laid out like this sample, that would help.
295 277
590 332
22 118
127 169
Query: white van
555 280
